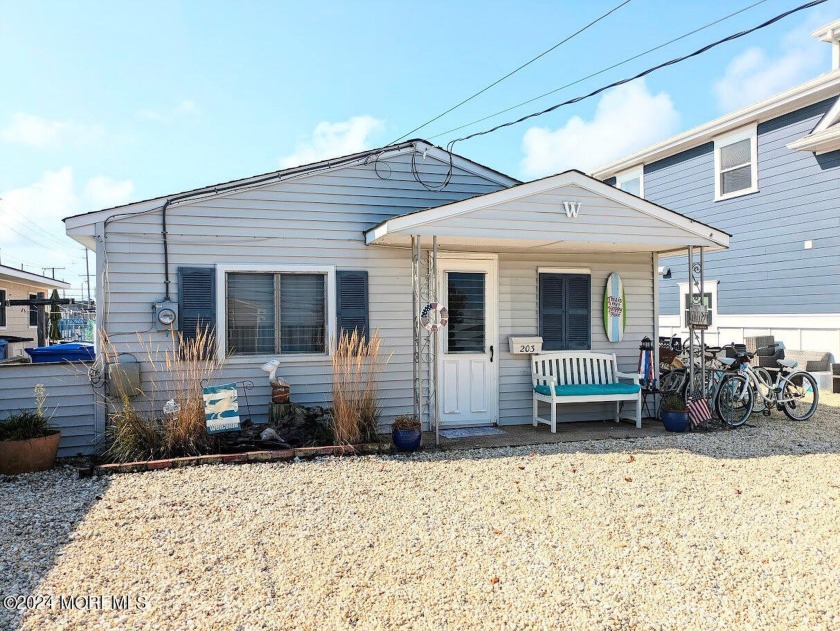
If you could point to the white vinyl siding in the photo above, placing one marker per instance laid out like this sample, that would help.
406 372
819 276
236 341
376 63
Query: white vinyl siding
736 163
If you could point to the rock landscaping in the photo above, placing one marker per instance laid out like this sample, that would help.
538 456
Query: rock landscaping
717 530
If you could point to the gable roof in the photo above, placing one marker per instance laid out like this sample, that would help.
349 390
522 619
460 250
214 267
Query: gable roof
824 87
531 215
825 136
75 221
28 278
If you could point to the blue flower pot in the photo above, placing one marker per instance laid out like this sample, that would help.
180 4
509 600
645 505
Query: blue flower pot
407 440
674 421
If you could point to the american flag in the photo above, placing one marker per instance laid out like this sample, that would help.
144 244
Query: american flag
698 411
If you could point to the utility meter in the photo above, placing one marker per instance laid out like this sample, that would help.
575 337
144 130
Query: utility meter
166 315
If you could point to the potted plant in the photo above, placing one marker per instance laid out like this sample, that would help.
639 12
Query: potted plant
406 433
27 441
674 413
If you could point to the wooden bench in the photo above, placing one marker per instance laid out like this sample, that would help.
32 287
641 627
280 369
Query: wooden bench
581 377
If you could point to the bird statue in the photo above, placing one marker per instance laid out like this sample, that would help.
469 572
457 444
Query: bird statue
271 367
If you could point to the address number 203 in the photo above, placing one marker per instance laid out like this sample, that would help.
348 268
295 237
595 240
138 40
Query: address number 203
527 348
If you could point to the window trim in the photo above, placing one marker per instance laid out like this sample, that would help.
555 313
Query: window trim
632 174
745 133
32 296
221 309
709 287
4 309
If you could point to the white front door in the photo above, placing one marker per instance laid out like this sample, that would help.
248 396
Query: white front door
469 351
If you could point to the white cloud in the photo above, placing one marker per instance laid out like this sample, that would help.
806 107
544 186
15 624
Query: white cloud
31 230
334 139
183 109
40 133
755 74
626 119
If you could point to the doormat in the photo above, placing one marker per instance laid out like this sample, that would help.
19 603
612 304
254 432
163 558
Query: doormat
469 432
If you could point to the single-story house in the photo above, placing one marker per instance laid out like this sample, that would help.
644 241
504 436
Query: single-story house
281 263
22 321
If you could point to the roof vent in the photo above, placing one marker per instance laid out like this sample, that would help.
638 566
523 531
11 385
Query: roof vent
830 33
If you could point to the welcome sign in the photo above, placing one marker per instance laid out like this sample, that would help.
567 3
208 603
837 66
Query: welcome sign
615 308
221 408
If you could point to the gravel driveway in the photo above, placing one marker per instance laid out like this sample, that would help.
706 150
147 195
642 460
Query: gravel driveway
727 530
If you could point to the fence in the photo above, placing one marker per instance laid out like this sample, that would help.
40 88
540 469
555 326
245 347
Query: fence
77 329
70 400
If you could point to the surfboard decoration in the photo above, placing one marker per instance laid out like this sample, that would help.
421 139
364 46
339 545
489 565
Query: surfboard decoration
615 308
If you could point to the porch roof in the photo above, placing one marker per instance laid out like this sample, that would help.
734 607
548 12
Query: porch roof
540 216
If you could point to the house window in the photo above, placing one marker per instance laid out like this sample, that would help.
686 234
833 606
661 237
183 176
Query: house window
33 310
632 181
565 310
708 302
736 163
3 308
276 313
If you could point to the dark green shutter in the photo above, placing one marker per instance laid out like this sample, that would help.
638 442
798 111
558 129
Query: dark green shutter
196 299
565 311
352 302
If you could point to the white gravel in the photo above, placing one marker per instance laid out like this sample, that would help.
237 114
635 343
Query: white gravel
733 530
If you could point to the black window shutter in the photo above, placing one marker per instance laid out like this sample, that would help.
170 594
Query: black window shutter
196 300
565 311
553 311
352 302
578 312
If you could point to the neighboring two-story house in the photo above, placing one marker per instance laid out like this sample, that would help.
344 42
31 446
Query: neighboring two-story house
769 174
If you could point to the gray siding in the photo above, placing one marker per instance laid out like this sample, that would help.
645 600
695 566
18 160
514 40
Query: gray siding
318 219
70 400
766 270
518 310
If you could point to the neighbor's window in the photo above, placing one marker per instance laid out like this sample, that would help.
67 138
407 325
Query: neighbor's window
707 302
632 181
736 168
2 307
33 310
276 313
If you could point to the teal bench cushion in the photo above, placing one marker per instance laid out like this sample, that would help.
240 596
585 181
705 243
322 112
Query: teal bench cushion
587 389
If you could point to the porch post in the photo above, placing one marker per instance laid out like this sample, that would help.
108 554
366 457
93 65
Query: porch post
696 330
415 325
434 408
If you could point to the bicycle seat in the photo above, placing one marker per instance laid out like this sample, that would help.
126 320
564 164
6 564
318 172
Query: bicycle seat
726 361
787 363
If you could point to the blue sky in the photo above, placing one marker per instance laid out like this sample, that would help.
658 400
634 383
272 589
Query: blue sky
105 103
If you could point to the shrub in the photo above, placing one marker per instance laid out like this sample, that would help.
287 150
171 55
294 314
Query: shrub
28 424
673 403
356 365
406 422
178 372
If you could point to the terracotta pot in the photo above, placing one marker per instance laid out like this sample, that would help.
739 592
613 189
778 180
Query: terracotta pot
25 456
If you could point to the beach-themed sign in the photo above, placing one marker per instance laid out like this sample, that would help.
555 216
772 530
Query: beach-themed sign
221 408
615 308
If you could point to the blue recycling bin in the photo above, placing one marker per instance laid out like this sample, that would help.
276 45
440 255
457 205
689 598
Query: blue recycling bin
4 349
72 352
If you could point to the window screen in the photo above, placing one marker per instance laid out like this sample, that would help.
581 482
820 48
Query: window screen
302 317
465 295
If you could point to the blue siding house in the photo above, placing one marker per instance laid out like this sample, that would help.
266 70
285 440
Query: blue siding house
769 174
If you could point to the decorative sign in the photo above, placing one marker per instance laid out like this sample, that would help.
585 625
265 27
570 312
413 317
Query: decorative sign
698 317
221 408
572 209
615 308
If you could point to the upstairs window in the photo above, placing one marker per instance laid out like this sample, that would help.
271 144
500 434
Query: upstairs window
736 163
632 181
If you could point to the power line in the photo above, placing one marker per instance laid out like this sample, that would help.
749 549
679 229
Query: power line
644 73
513 72
599 72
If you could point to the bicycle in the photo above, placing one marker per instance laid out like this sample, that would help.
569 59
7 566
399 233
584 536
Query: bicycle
795 392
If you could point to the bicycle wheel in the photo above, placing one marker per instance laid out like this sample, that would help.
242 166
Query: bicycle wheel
734 401
759 403
673 382
803 393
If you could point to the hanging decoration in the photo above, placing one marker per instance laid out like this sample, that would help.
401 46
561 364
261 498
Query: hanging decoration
428 323
615 308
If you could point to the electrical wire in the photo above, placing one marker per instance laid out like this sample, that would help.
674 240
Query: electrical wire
513 72
644 73
599 72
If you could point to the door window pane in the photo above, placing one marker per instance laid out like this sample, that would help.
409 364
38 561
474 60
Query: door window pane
250 314
302 313
465 302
